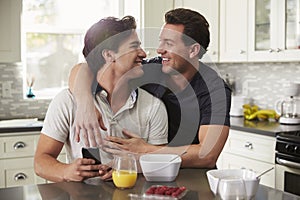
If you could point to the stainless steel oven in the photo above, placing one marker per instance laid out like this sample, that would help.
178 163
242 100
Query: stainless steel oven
288 162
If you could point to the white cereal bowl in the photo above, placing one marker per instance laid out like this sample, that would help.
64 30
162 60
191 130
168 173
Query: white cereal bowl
249 177
158 168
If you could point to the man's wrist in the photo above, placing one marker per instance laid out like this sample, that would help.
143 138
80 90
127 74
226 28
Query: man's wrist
150 148
83 98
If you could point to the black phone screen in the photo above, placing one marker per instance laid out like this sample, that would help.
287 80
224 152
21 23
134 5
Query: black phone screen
92 153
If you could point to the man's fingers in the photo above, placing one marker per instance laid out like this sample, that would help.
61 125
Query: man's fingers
129 134
87 161
101 124
89 174
98 137
100 120
107 176
114 151
85 137
112 145
116 139
92 139
77 133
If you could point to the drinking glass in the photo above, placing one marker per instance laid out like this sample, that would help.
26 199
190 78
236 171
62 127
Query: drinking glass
124 173
231 189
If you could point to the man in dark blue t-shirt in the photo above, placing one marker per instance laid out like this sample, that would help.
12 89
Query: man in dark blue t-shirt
207 92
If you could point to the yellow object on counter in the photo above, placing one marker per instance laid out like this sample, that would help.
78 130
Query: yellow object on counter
124 178
254 113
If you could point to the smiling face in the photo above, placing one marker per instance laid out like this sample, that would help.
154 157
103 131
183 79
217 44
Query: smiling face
129 57
174 52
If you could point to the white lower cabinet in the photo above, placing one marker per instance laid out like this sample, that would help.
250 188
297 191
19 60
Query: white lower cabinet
250 151
19 171
16 159
237 162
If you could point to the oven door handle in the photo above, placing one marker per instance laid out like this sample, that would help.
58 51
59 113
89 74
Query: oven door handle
288 163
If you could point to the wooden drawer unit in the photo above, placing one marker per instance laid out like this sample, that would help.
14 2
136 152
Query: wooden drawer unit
250 145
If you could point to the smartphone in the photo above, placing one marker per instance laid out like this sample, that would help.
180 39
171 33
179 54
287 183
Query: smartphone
92 153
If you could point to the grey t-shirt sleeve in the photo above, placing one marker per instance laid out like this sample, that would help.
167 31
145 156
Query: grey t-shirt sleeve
158 133
59 116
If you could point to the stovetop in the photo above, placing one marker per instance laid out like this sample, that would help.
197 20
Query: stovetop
289 136
288 143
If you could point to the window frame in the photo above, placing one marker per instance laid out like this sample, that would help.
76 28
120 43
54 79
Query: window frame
50 29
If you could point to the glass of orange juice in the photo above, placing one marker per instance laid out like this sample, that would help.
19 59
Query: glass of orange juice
124 173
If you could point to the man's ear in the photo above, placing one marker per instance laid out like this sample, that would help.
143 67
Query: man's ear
194 50
108 55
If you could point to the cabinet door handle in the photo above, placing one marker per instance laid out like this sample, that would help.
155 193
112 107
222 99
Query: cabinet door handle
247 169
278 50
19 145
271 50
242 51
249 145
20 176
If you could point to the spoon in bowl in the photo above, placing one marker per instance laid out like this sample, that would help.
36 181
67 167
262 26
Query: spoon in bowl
264 172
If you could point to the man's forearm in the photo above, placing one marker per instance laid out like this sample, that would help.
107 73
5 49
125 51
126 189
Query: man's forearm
192 158
49 168
80 81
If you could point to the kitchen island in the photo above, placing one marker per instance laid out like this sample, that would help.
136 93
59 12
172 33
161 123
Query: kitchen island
194 180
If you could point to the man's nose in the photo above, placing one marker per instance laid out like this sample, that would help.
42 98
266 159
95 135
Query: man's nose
160 50
142 53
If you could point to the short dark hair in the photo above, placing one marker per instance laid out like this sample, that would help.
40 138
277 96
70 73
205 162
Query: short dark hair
108 33
196 27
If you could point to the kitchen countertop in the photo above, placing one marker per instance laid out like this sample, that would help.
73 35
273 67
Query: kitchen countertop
194 180
20 125
268 128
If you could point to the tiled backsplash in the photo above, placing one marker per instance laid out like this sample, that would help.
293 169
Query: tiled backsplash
264 86
264 80
17 106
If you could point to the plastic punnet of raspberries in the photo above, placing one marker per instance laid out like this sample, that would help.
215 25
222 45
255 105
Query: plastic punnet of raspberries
165 190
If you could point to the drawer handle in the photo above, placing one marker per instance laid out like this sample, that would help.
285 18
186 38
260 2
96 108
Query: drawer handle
249 145
19 145
247 169
20 176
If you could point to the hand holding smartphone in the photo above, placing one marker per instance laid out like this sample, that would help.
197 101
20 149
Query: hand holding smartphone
91 153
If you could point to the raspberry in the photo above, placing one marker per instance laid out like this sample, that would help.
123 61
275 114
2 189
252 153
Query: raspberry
166 190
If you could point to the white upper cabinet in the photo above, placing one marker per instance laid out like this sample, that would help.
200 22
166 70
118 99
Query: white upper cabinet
274 30
10 23
233 30
152 15
210 10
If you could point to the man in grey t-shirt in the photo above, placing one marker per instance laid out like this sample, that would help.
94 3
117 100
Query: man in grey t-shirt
112 50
